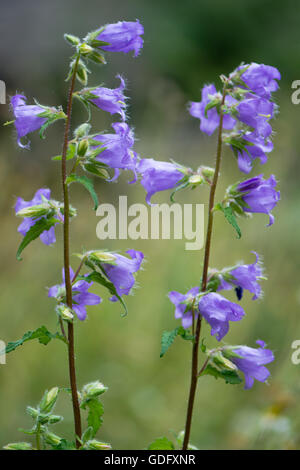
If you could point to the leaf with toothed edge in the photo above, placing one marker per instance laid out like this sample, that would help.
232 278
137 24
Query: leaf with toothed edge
87 183
34 232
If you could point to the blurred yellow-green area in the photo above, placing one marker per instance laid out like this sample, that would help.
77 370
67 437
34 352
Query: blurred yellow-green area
187 44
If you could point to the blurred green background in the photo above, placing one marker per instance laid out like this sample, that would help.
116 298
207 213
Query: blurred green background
186 45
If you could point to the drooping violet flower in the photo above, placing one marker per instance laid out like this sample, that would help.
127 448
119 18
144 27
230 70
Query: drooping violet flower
27 117
256 113
48 236
259 195
159 176
121 272
124 36
81 297
183 306
218 311
251 361
110 100
117 149
210 121
261 78
244 276
257 148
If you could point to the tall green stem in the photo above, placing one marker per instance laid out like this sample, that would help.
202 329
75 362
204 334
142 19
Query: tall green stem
195 352
68 285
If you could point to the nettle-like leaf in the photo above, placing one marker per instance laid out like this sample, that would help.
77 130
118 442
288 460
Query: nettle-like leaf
161 443
168 338
34 232
95 414
87 183
230 376
71 153
42 334
230 217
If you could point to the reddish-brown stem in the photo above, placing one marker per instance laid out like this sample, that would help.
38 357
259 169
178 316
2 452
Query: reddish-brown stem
68 285
195 352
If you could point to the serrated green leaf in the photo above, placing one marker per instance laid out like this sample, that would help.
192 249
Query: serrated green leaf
34 232
87 183
95 414
161 443
42 334
168 337
230 376
230 217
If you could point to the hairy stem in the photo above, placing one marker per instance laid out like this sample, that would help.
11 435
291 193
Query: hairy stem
68 285
195 352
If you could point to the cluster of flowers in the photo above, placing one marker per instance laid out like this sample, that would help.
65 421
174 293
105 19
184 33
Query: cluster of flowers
247 110
108 150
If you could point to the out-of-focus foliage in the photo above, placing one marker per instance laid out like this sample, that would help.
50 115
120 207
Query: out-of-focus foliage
186 45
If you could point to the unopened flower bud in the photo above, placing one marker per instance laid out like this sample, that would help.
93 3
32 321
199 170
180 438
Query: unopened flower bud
103 256
52 439
85 49
94 389
49 400
195 179
33 412
55 419
34 211
18 446
82 147
65 312
96 445
82 130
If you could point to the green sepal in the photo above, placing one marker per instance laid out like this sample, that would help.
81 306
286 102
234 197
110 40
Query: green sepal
230 376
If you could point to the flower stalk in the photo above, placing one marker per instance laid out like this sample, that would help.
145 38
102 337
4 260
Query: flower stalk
195 351
66 242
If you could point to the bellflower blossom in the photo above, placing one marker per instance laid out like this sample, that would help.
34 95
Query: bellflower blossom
81 297
117 149
257 148
48 236
259 195
121 273
181 309
124 36
256 113
210 121
27 117
260 78
107 99
251 361
244 276
218 311
158 176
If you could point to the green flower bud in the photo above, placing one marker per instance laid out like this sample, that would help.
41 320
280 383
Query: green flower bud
34 211
49 399
82 147
53 419
52 439
18 446
82 130
33 412
102 256
94 389
96 445
195 179
65 312
85 49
